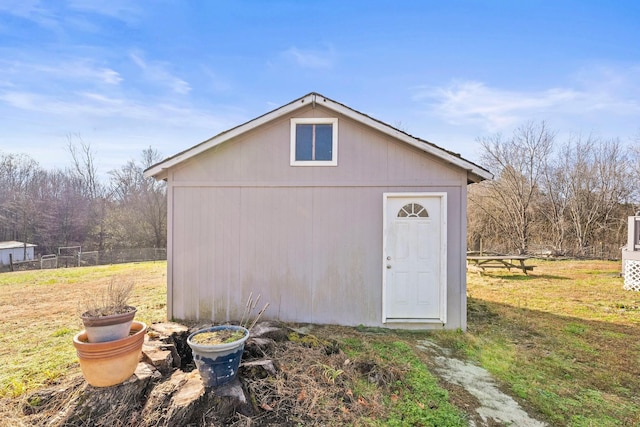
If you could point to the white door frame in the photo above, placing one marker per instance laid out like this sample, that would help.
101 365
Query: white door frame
442 318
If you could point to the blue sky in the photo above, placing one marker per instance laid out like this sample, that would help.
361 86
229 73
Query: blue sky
124 75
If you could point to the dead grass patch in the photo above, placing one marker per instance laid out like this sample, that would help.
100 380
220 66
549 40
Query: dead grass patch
40 317
314 388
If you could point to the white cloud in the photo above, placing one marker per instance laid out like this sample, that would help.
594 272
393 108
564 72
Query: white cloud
61 16
49 14
92 106
472 102
595 93
123 10
116 124
76 71
214 81
24 101
32 10
83 70
157 72
110 76
315 59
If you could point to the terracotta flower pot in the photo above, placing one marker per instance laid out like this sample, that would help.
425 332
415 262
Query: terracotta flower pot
108 328
112 362
218 363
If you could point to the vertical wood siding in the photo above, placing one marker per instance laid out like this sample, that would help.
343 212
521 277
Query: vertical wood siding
307 239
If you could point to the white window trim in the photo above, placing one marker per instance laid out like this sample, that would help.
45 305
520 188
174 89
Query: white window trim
334 137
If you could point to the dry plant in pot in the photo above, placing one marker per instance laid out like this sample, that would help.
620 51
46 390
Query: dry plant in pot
217 351
108 316
109 347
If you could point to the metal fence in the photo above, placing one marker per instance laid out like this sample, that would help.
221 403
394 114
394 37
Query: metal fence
599 251
83 259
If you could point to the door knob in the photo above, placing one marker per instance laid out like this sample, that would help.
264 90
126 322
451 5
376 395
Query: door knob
388 266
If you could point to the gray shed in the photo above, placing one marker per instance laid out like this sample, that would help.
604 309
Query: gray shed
330 215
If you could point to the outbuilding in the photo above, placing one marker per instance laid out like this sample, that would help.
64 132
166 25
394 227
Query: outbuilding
330 215
13 251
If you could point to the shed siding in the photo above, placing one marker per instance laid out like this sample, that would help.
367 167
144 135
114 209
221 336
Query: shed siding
17 254
235 241
307 239
365 157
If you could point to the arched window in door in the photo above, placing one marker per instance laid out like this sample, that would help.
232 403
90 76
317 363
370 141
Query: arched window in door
413 210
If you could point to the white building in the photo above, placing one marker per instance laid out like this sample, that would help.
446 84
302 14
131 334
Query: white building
17 251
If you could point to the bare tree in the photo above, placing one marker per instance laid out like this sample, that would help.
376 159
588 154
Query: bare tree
595 174
554 205
481 226
85 171
154 200
140 203
519 161
64 209
634 162
18 175
84 165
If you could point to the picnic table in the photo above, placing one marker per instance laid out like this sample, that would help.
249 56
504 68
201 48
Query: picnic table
480 262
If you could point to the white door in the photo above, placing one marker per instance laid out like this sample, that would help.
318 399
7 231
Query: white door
414 264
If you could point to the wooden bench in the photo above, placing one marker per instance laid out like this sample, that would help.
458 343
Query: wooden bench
479 263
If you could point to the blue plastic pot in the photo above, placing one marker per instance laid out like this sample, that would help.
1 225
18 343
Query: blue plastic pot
218 364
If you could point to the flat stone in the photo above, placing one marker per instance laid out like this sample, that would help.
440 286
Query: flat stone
190 391
261 342
270 330
168 328
232 389
259 368
259 347
145 371
161 359
495 406
161 342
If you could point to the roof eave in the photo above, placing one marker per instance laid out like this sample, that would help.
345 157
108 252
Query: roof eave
475 173
158 171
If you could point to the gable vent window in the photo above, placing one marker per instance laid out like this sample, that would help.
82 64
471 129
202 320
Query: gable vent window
314 142
413 210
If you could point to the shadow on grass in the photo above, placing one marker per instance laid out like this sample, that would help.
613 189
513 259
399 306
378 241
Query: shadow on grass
522 277
553 361
514 277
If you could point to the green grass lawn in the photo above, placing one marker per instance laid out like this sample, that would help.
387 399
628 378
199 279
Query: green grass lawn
564 340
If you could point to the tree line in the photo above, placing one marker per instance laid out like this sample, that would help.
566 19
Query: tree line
73 207
568 197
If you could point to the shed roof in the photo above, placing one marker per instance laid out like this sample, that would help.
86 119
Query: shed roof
475 173
15 245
